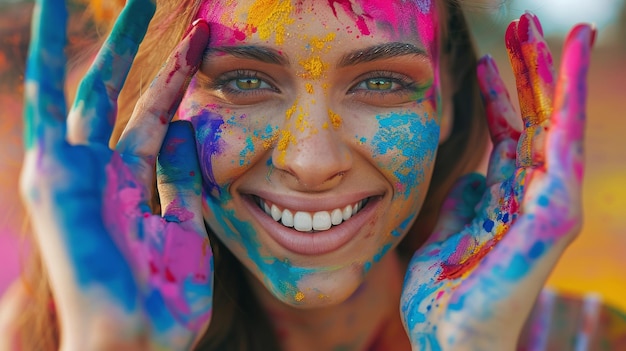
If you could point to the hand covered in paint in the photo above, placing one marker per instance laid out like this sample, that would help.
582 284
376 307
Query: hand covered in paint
122 278
473 284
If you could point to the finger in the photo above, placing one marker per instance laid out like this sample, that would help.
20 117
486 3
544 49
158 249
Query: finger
522 79
178 175
540 69
45 109
95 108
459 207
531 149
524 93
186 257
143 136
565 140
500 116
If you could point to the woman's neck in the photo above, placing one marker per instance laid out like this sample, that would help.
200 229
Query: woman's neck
368 320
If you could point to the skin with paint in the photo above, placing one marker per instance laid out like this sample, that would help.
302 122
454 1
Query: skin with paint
306 141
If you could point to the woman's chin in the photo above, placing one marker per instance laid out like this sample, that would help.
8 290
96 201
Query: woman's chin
320 290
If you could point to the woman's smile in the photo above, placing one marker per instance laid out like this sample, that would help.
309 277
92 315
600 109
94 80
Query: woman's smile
306 225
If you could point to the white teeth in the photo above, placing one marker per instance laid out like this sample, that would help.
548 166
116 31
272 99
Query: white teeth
336 217
287 218
276 213
302 222
347 212
321 220
305 222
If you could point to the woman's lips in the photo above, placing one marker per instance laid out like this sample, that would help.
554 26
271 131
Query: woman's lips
306 239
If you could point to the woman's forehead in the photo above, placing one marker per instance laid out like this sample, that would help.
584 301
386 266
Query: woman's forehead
363 18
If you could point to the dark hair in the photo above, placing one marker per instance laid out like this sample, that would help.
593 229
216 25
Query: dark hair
238 322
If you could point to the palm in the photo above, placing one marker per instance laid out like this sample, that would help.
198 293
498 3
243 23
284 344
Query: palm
112 263
473 287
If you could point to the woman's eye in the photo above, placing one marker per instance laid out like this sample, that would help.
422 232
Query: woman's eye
382 84
248 83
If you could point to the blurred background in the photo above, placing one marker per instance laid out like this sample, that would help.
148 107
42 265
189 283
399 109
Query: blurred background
596 262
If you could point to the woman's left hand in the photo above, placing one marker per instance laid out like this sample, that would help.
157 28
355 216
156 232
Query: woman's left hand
472 286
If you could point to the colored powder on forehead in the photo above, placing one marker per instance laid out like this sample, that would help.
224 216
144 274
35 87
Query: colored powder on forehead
267 17
402 17
314 67
349 9
321 44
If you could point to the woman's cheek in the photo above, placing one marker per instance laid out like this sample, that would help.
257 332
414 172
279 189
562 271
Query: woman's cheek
229 143
404 147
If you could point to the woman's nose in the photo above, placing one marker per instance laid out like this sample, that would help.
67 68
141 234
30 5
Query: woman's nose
311 149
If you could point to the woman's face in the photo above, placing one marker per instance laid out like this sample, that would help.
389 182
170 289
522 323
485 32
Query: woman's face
317 126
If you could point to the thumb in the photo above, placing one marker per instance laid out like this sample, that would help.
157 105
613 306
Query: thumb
178 175
458 209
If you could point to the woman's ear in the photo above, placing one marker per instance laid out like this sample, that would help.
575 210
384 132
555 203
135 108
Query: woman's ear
447 102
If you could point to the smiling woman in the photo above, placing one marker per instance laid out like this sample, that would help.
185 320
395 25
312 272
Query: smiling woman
303 175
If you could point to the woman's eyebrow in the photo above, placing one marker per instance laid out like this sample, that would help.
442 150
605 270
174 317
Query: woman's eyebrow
253 52
380 52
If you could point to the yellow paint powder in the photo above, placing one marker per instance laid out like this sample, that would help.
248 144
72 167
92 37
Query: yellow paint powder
301 122
270 16
290 111
299 296
335 119
283 143
325 125
309 88
319 44
314 67
270 142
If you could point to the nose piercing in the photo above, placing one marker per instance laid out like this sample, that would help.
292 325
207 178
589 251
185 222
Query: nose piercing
269 173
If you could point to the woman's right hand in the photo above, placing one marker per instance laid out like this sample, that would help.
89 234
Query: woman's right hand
121 277
472 286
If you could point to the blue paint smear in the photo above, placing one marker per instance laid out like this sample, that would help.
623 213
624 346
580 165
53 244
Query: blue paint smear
536 250
412 136
543 201
159 316
488 225
517 268
208 134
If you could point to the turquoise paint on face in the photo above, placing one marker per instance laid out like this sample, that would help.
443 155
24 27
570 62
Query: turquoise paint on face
413 139
247 150
279 275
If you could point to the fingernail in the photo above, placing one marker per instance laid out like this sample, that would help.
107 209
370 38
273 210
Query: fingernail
536 22
487 61
526 28
510 37
194 24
